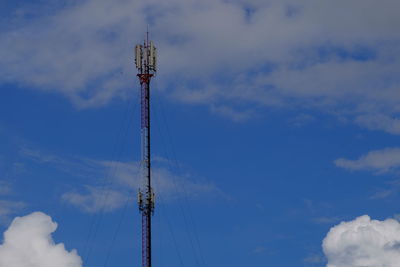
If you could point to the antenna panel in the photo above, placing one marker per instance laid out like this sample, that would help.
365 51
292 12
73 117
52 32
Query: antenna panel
152 56
138 56
155 59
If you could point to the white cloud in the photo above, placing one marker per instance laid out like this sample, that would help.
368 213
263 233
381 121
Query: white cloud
8 207
383 160
384 193
363 243
260 53
390 190
28 243
380 122
233 114
95 199
107 185
122 181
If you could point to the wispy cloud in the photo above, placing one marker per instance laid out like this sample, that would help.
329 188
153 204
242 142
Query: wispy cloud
314 259
233 114
123 180
391 189
8 206
318 212
39 156
107 185
302 119
384 193
380 161
95 199
380 122
260 250
5 188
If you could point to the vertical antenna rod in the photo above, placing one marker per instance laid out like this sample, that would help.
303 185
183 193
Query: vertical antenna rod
145 59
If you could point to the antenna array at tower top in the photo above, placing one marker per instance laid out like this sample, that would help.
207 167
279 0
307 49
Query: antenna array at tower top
146 57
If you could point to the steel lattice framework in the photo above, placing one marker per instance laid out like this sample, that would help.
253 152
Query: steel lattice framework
145 58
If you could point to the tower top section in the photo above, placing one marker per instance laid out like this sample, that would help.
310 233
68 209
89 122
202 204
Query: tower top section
146 57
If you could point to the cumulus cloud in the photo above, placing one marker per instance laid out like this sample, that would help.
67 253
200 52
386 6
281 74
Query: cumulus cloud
271 53
28 243
363 242
383 160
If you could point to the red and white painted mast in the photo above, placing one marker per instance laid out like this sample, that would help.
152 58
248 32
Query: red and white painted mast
145 59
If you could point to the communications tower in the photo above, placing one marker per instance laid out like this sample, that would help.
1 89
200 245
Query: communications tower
145 59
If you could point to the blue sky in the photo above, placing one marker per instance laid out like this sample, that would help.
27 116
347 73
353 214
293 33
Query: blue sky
269 128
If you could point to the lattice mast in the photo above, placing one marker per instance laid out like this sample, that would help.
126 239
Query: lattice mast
145 59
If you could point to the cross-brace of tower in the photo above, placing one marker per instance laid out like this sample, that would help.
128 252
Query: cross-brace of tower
145 59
